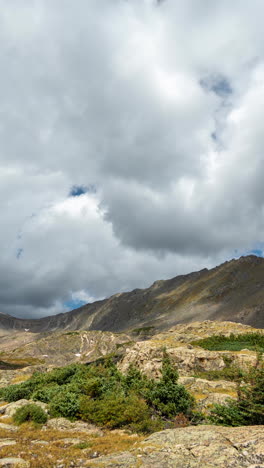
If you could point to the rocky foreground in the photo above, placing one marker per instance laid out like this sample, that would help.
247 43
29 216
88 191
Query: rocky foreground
193 447
63 444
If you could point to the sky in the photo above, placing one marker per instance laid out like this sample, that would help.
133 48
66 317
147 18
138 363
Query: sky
131 145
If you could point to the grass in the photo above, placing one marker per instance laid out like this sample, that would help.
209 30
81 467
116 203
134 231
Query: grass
232 374
123 345
143 330
46 456
20 378
10 366
13 363
250 341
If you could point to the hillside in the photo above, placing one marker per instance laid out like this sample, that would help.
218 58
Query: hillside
232 291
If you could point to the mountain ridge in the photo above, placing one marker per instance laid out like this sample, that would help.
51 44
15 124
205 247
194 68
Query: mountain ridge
232 291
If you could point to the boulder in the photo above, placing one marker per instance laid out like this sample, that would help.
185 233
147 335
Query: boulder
6 442
63 424
8 427
11 462
10 408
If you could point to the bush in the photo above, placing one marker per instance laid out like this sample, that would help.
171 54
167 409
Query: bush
15 392
30 412
116 410
99 393
249 408
167 396
46 394
66 405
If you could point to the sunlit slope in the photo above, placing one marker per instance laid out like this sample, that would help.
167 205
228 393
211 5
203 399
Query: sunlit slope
232 291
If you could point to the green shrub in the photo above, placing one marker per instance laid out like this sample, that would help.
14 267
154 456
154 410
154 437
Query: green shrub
15 392
137 382
45 394
249 408
115 410
65 404
167 396
252 341
30 412
99 393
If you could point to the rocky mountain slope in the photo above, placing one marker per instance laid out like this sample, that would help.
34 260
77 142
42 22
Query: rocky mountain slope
232 291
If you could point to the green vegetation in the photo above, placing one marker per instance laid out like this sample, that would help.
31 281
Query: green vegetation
167 396
82 445
125 344
251 341
10 362
231 373
249 408
66 404
30 412
100 394
143 331
10 366
72 333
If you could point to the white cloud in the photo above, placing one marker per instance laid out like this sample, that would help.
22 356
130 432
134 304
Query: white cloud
125 96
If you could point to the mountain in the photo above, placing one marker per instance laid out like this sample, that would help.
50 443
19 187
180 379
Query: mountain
233 291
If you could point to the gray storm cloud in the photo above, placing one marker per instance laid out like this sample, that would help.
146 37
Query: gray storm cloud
155 105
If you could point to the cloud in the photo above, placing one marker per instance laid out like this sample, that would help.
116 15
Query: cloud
130 144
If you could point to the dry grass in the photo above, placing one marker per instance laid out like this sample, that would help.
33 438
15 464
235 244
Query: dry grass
6 420
45 456
224 391
12 359
199 396
20 378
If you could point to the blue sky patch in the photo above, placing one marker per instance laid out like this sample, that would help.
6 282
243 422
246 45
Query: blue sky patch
257 252
74 304
78 190
217 84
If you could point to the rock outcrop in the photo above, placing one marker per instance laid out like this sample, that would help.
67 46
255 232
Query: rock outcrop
194 447
147 355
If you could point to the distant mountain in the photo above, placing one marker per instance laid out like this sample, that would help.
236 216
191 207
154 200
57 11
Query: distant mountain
233 291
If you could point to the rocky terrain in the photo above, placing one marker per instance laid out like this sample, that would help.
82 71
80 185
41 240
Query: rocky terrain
194 447
59 349
82 445
232 291
135 328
